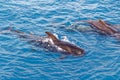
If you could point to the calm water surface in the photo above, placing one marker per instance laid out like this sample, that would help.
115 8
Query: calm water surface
20 60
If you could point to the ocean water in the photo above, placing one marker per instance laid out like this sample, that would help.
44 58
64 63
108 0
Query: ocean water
20 60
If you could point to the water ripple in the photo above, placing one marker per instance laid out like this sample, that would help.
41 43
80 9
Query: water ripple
22 61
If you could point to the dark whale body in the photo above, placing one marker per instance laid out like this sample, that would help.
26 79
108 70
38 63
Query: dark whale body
104 28
68 47
49 43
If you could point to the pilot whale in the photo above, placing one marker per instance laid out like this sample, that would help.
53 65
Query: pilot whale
68 47
104 28
50 42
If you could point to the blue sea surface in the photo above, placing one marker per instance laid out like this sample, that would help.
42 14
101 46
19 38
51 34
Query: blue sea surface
20 60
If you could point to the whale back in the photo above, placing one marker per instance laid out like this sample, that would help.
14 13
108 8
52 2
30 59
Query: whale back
53 37
102 26
102 22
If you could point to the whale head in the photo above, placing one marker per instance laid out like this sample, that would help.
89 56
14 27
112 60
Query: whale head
79 52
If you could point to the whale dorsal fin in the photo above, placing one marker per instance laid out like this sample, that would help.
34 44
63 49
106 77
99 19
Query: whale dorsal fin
102 22
53 37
